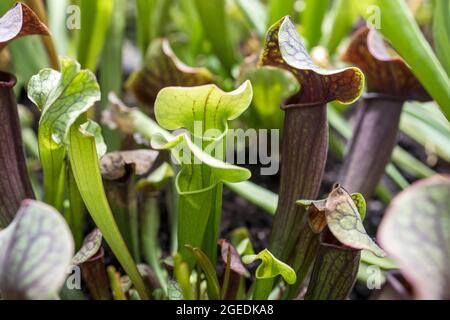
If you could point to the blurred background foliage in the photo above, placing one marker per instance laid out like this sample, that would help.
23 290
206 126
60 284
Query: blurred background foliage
113 37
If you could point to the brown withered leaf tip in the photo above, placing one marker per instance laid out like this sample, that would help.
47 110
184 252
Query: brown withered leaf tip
161 69
114 166
285 49
228 251
18 22
385 71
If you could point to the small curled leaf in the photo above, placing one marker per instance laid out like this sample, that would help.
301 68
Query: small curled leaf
271 267
285 49
35 252
343 214
92 243
227 250
62 97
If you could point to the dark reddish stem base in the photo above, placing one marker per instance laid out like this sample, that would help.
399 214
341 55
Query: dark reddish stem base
15 185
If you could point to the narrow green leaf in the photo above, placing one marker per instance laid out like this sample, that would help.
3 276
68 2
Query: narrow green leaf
398 26
84 161
209 270
151 17
57 18
313 17
213 16
35 252
255 12
441 32
111 68
95 20
182 274
415 232
253 193
278 9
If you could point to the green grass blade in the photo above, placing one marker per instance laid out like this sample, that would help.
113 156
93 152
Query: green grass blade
95 20
111 66
84 162
209 270
441 32
313 17
213 16
255 13
278 9
255 194
398 26
57 23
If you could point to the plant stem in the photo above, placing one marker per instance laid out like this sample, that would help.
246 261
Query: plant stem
371 147
305 147
95 276
15 184
334 273
116 287
263 289
150 222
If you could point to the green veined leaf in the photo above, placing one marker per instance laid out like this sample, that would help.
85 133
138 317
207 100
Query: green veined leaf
343 214
344 221
208 105
35 252
415 232
62 97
